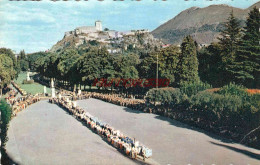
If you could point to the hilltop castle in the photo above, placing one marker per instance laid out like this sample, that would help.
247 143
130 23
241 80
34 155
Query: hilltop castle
86 29
96 33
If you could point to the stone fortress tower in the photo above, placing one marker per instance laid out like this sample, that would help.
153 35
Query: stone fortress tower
98 25
91 30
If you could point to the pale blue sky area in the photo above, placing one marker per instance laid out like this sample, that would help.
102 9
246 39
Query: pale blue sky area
36 26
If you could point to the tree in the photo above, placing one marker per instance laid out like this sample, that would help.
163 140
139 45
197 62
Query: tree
66 66
246 68
229 40
24 65
106 64
7 71
32 58
187 68
23 61
10 54
22 55
210 64
88 66
168 59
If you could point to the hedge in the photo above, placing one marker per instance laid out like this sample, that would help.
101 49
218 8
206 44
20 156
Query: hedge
6 113
230 111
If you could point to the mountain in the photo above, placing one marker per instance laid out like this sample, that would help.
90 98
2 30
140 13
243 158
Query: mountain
203 24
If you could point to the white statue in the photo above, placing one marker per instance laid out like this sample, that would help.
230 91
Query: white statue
28 76
44 90
52 89
79 92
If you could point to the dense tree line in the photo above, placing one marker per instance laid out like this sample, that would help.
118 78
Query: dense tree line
236 58
77 67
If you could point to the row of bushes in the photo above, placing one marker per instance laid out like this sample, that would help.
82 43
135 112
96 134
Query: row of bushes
230 111
22 91
28 82
6 113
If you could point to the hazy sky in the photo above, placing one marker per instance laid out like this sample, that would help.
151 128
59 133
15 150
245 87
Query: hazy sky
36 26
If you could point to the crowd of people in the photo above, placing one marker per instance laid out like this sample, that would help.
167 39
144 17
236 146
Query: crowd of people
128 145
11 94
20 103
132 103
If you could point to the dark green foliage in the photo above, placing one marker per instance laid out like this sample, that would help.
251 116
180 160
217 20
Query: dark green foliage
230 38
15 66
23 61
233 89
32 58
7 70
246 68
168 59
6 113
236 58
24 64
217 103
231 111
210 64
9 53
187 68
194 88
88 66
229 42
125 66
94 43
164 95
251 103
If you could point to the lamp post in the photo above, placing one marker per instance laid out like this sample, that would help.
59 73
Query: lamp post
157 73
156 80
0 88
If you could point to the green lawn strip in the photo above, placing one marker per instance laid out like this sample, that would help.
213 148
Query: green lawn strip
30 88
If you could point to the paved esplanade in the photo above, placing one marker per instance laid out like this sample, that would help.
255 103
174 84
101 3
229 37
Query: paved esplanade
172 142
45 134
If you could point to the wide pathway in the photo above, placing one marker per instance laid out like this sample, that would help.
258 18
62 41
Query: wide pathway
172 142
45 134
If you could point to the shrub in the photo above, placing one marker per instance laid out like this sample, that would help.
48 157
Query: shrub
164 95
221 106
233 89
194 88
28 82
6 113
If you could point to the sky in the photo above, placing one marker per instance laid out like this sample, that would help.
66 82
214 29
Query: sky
36 26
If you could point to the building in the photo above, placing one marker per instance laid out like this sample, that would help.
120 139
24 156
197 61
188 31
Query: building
98 26
86 29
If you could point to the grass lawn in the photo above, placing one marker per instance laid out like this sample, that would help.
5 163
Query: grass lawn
30 88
